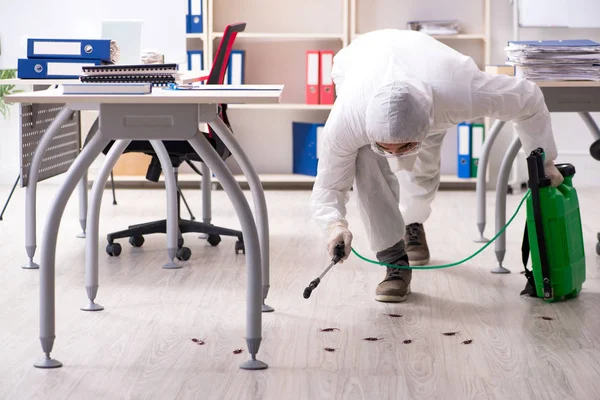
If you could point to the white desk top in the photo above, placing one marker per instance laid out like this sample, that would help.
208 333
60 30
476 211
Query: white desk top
17 81
209 94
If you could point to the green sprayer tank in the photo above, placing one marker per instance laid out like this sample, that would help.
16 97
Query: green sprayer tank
554 233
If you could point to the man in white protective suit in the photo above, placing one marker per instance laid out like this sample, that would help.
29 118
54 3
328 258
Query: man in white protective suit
397 94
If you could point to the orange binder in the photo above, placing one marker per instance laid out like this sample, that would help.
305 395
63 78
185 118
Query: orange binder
327 89
313 76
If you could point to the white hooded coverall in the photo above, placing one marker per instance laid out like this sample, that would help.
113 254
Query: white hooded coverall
397 86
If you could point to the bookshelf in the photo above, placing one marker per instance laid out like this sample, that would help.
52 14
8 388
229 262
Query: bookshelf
277 36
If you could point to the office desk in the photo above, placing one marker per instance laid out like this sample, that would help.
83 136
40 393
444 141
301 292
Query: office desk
31 176
162 115
581 97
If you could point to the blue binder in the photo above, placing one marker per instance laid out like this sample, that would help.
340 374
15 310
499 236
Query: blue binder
464 150
96 49
306 147
195 60
52 68
194 17
235 67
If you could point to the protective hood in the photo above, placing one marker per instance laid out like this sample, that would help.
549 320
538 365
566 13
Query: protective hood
399 111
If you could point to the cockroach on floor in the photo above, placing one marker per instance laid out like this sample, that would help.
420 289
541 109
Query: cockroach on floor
328 329
331 349
199 342
546 318
394 315
450 333
238 351
469 341
407 341
372 339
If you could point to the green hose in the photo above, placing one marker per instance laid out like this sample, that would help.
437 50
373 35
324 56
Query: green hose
458 262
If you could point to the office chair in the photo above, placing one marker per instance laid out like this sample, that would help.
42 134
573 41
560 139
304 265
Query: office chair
179 152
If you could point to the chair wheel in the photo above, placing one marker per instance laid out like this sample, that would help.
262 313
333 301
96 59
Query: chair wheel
509 190
239 246
598 248
523 186
214 240
113 249
598 236
136 241
183 254
180 243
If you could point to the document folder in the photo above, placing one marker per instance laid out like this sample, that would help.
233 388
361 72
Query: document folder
464 150
327 89
477 138
313 76
235 68
96 49
52 68
194 18
195 60
306 147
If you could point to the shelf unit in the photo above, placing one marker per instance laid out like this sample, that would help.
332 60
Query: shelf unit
276 38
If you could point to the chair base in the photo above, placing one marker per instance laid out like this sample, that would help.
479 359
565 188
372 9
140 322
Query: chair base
136 233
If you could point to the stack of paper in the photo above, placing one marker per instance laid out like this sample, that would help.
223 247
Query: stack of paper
435 27
555 59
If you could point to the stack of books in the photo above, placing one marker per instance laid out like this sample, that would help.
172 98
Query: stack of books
555 60
435 27
63 58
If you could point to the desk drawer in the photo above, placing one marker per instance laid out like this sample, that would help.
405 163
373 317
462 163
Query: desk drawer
149 121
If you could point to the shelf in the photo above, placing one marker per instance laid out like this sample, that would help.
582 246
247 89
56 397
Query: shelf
281 106
269 181
461 36
196 36
312 36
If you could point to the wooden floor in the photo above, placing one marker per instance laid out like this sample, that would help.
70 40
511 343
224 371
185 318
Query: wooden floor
140 346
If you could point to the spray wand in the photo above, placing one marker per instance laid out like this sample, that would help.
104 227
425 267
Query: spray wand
338 254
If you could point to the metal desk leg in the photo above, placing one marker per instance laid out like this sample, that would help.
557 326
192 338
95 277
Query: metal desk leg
253 264
501 187
480 190
591 124
93 218
83 203
49 239
206 188
171 188
258 195
30 193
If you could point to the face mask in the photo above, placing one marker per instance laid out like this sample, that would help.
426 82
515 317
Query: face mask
408 150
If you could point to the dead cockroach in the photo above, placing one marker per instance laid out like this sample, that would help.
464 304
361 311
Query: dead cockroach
546 318
372 339
450 333
407 341
329 349
328 329
199 342
469 341
394 315
238 351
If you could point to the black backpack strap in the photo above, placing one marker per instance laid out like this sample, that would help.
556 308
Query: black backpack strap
525 250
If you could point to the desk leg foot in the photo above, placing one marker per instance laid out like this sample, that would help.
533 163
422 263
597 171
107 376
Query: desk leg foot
500 269
31 265
47 362
265 307
83 223
481 239
92 291
253 363
30 253
172 254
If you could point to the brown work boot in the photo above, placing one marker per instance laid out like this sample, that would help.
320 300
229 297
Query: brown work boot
416 244
396 285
